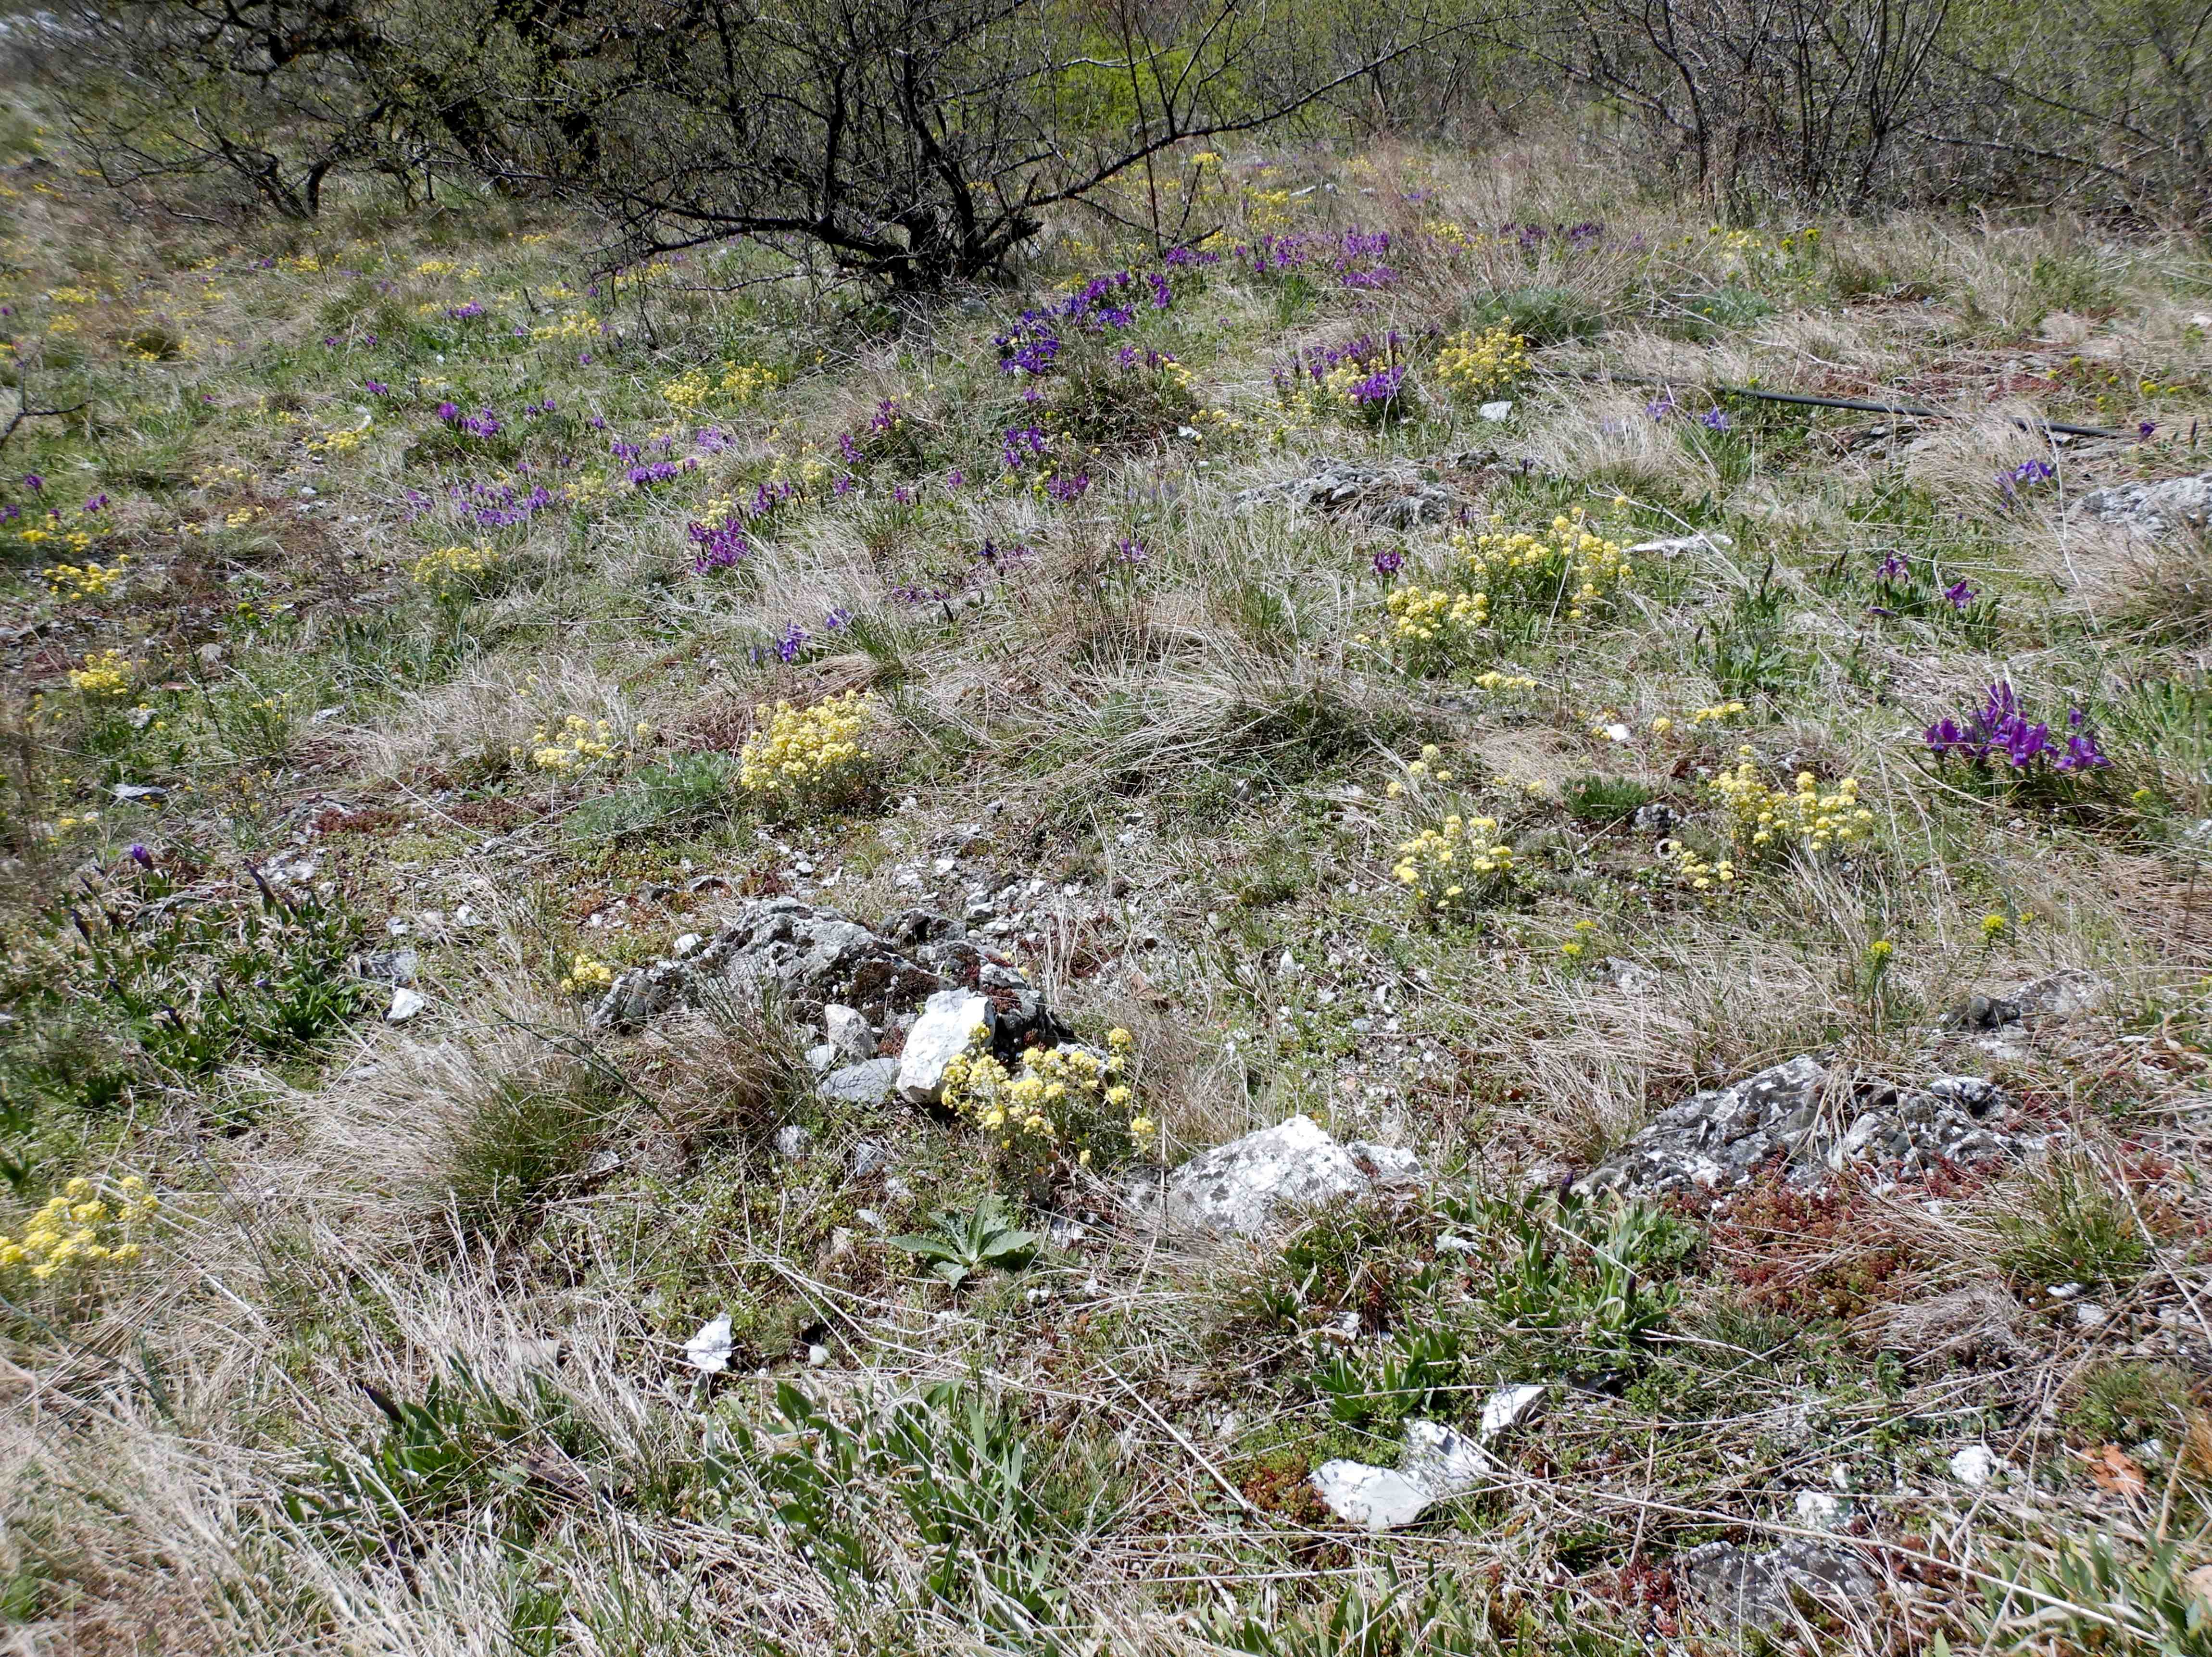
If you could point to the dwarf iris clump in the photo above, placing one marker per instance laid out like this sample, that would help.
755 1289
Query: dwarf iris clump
2000 735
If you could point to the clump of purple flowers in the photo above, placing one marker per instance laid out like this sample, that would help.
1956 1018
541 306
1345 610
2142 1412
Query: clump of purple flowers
790 642
1067 489
720 546
1020 443
2002 733
2028 474
1389 561
1378 390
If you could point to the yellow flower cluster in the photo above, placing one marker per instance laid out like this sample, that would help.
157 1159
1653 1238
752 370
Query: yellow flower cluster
1570 565
740 382
1060 1100
579 743
1455 867
1424 769
1492 679
75 540
73 295
105 673
586 973
1761 816
807 754
79 1228
344 440
86 580
1706 876
449 567
1428 616
1485 364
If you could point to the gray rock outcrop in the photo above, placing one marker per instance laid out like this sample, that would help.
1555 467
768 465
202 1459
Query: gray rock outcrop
2166 506
1239 1189
818 960
1784 1117
1741 1589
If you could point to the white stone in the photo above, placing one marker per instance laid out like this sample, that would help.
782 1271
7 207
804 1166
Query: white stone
848 1032
1819 1510
1394 1165
406 1004
1235 1189
941 1034
709 1351
1499 410
1976 1466
820 1057
868 1083
1442 1462
1377 1499
793 1140
1504 1408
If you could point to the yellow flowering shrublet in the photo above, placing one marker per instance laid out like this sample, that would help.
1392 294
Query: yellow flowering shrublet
105 673
807 755
580 744
1485 364
452 567
1570 568
1457 867
1518 580
86 580
78 1229
1760 817
1707 877
1062 1104
585 975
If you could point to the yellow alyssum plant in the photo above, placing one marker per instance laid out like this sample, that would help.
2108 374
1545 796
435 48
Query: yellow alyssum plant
1517 582
1571 569
586 973
1760 817
579 743
1483 365
77 1230
447 567
85 581
1457 867
808 756
105 673
1061 1103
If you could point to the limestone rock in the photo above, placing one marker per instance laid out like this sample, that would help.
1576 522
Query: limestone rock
2061 995
942 1034
816 959
1236 1189
868 1083
1716 1140
1395 497
1742 1589
1437 1462
2167 507
1377 1499
850 1032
